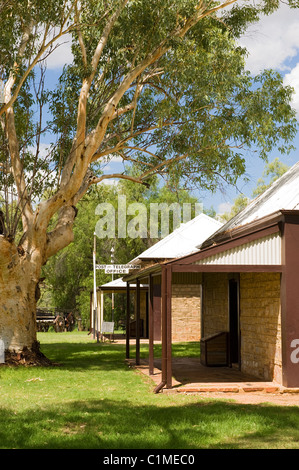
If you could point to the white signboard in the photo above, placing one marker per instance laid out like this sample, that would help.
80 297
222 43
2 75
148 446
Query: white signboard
117 268
108 327
101 266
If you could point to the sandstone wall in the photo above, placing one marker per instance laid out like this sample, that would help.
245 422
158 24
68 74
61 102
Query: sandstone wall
260 321
186 318
215 303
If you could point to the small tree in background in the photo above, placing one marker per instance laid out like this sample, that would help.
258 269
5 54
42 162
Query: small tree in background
272 171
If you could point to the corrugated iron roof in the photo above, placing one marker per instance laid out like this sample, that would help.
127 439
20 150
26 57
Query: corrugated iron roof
119 283
263 251
283 194
183 240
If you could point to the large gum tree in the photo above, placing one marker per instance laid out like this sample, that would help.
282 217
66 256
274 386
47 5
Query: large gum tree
159 84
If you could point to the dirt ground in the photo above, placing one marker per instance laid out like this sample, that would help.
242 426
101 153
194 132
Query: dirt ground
254 398
189 375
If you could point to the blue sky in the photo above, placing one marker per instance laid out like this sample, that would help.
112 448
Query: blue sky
271 43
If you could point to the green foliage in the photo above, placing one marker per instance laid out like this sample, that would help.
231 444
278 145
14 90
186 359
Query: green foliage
239 204
16 14
273 170
194 112
204 110
69 274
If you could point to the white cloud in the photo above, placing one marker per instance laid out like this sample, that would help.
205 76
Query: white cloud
292 79
274 43
110 182
112 158
62 54
273 40
44 150
224 207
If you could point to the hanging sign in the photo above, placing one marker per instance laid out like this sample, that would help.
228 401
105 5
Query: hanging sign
108 327
116 268
112 269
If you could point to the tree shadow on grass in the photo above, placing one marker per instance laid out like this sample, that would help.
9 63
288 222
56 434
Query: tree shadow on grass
188 349
106 355
140 421
109 424
77 356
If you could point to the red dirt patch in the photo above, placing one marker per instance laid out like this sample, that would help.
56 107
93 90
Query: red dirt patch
255 398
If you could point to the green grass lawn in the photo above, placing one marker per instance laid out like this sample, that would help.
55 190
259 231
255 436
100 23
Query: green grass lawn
94 400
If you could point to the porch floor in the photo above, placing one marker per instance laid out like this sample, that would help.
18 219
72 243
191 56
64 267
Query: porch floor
190 376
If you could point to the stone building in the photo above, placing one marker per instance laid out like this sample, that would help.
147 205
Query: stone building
235 289
147 290
119 287
247 284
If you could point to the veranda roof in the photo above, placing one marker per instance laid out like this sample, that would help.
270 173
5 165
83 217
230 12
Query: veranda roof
118 284
183 240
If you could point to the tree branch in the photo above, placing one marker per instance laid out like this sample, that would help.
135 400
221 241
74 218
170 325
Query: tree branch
17 169
110 109
80 37
10 99
81 116
87 147
165 163
62 235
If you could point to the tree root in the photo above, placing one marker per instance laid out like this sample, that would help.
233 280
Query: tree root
27 357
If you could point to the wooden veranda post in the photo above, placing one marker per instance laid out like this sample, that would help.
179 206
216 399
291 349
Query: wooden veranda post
151 326
137 321
168 319
128 322
290 302
95 297
166 283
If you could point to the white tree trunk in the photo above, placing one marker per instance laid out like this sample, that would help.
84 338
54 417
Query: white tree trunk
19 277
